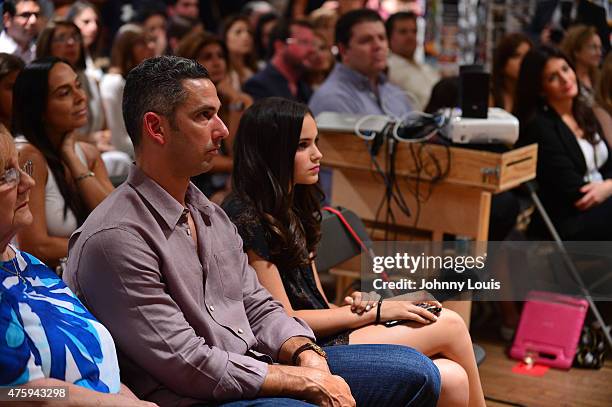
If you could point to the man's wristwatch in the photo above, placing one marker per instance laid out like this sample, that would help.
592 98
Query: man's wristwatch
308 346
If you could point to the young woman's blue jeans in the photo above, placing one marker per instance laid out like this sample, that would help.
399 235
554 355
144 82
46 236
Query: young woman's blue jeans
378 375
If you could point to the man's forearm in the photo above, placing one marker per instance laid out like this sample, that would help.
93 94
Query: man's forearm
282 380
289 347
306 358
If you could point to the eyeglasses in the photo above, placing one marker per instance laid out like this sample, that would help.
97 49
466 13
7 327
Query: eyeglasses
27 14
63 39
12 176
301 42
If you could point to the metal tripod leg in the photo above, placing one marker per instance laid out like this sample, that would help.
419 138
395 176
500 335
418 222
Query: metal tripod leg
568 262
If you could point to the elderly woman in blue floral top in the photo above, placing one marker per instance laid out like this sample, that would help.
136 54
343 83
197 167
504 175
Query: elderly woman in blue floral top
47 336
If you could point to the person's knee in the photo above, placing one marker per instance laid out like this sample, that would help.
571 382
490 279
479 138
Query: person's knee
453 323
455 386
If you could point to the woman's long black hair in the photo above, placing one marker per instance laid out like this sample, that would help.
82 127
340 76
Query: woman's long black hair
506 48
529 92
264 152
30 95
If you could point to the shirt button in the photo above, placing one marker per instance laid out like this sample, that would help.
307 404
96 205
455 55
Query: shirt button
240 331
211 308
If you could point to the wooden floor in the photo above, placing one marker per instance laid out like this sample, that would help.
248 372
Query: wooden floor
557 388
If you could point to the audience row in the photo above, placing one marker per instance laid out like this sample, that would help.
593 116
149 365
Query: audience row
157 256
162 269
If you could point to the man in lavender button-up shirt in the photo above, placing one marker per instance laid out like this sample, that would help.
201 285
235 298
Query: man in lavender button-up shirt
163 268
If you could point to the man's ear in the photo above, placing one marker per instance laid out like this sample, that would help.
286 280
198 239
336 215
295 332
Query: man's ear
6 20
153 128
279 46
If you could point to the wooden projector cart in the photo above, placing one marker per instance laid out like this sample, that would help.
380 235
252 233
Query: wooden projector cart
459 204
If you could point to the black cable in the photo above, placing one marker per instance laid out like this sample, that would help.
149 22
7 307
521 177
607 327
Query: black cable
420 167
383 175
388 186
393 191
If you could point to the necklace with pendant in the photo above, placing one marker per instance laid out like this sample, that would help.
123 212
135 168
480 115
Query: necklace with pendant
16 272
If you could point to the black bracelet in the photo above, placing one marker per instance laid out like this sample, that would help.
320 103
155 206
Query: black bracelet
378 311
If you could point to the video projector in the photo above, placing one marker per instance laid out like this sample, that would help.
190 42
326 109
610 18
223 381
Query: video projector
350 123
499 128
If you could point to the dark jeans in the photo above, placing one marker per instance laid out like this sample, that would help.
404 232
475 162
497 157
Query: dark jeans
378 375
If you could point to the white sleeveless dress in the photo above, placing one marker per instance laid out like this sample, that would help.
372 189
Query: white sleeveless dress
57 225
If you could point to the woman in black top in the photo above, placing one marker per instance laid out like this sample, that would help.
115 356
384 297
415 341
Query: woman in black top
276 206
574 170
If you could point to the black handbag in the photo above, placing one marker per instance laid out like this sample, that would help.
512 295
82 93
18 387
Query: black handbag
590 352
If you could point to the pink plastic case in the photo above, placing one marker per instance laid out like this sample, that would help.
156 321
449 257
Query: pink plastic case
549 329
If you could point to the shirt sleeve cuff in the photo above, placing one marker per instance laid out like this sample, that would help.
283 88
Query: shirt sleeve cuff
280 334
243 378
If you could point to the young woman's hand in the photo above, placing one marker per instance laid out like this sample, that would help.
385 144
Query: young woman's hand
392 310
594 194
67 148
102 140
361 302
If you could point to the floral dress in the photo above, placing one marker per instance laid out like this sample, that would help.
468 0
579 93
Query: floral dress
46 332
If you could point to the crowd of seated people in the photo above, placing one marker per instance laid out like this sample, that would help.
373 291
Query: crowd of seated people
92 103
161 259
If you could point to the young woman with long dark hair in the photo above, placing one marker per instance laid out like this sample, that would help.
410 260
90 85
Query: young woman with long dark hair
275 204
49 105
574 166
241 49
507 60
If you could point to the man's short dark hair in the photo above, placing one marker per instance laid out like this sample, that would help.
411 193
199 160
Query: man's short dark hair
282 31
10 6
346 22
399 16
155 85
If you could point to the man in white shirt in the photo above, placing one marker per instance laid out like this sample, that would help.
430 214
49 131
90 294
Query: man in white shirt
21 27
416 78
